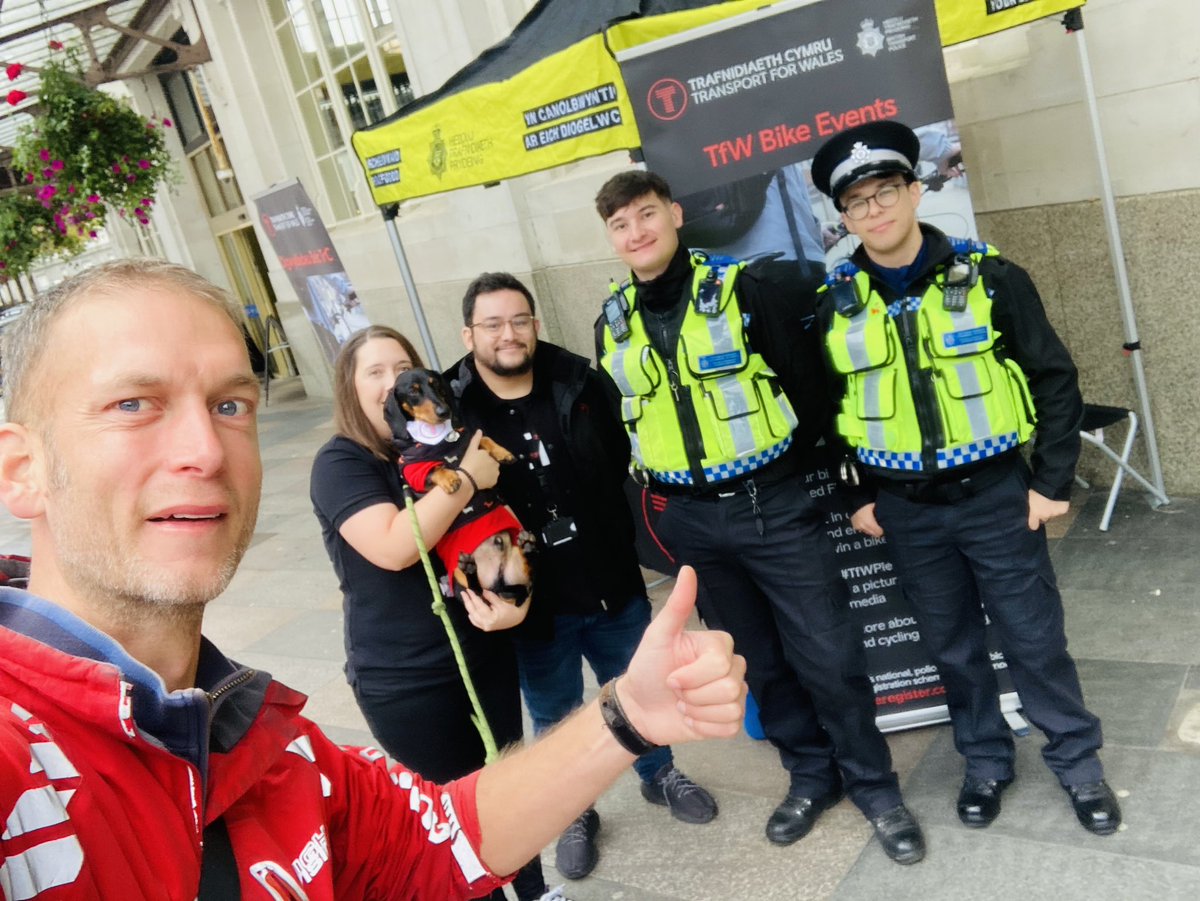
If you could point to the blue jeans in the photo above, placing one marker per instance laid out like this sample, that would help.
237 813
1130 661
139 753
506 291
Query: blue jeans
552 671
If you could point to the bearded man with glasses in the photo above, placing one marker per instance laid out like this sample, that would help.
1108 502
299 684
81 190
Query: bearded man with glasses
547 406
944 361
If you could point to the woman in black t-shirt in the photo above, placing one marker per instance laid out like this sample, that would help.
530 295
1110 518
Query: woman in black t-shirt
398 658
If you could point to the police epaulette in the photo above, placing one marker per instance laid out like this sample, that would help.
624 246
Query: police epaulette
967 246
840 272
720 263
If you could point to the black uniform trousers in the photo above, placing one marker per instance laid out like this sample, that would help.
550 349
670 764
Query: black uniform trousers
780 596
957 561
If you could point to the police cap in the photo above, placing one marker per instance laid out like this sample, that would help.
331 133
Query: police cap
875 148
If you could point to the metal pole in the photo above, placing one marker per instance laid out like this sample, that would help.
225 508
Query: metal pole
1117 252
389 219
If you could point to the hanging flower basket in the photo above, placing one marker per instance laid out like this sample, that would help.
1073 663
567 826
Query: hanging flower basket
86 153
28 232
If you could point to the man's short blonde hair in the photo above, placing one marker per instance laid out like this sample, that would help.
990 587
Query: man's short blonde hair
25 342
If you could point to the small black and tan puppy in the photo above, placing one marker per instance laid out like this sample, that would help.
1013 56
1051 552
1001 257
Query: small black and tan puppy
485 546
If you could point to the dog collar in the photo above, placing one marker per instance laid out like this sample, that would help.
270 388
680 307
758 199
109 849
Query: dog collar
431 432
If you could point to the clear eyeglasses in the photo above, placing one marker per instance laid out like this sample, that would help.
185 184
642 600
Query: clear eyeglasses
885 197
520 324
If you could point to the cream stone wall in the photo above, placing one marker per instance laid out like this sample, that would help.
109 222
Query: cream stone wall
1065 250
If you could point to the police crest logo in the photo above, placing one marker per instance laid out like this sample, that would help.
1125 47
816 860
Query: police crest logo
870 39
437 153
860 153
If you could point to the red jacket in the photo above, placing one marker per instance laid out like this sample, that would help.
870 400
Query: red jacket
107 783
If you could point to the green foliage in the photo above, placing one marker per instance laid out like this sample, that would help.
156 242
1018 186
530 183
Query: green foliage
28 232
85 154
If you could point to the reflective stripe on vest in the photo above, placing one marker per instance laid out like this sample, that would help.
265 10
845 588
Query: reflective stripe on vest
744 420
982 401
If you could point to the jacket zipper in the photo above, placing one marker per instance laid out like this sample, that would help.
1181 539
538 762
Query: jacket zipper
693 445
923 393
241 679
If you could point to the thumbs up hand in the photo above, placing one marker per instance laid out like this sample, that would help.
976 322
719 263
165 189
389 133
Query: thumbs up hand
683 686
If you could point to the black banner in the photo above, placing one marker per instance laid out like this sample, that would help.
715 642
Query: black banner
908 688
764 94
306 253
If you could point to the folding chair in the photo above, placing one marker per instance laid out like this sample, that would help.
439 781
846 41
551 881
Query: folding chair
1095 420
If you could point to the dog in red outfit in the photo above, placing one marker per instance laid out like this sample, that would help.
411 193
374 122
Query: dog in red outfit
485 547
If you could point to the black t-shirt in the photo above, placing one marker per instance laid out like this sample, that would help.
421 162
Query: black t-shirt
598 568
389 623
540 481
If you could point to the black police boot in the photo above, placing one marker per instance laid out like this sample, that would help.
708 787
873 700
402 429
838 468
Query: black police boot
979 801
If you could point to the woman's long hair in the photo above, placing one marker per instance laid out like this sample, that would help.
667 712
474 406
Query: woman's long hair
349 420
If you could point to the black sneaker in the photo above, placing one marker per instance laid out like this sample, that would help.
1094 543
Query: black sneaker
684 798
576 854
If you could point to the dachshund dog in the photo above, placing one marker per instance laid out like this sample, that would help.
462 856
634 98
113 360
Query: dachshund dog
485 546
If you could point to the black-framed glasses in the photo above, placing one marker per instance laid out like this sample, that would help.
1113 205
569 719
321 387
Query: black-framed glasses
885 197
520 324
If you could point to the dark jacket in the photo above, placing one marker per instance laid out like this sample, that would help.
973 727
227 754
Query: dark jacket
590 470
1028 338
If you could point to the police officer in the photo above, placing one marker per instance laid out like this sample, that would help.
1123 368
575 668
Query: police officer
721 390
947 362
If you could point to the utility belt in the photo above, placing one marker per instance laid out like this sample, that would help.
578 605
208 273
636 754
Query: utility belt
950 490
776 470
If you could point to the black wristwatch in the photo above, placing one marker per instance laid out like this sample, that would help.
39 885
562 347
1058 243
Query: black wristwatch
618 723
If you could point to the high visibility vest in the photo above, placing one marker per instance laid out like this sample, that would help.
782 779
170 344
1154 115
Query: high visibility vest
926 389
715 411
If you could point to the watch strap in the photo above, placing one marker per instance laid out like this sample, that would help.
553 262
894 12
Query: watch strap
618 723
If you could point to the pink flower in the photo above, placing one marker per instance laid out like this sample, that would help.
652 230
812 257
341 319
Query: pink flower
116 169
3 265
146 201
57 165
15 96
55 45
91 234
47 174
14 71
44 155
143 164
167 123
29 176
149 124
89 215
131 178
93 198
70 189
46 192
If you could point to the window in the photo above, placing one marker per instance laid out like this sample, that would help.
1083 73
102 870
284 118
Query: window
338 54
